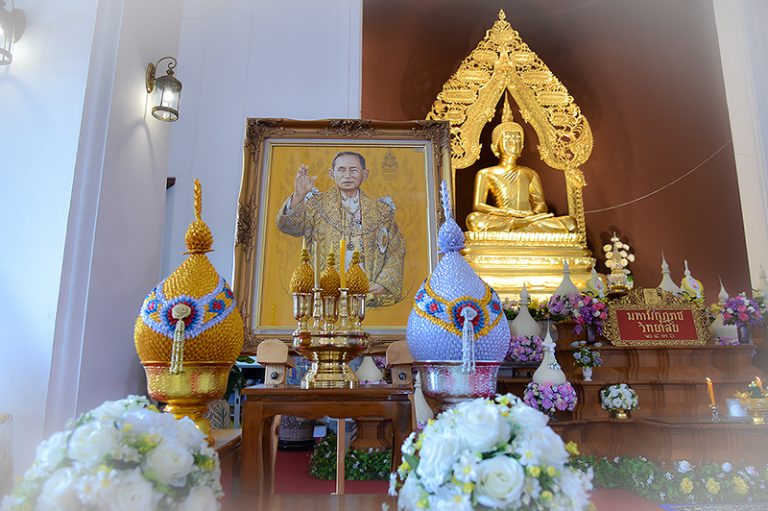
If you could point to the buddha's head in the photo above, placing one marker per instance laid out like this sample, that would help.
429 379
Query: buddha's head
507 138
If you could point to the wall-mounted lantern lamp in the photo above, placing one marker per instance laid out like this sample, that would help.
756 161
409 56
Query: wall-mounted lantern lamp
12 23
165 91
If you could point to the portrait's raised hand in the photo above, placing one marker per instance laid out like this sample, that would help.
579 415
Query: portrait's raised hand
302 185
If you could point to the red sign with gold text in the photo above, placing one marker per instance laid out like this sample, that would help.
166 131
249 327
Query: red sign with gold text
651 325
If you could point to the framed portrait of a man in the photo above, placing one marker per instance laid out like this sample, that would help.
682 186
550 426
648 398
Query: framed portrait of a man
313 183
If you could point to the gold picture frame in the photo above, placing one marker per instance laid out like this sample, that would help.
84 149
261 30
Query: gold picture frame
660 319
405 163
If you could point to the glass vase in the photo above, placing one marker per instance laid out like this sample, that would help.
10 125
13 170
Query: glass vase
587 372
744 335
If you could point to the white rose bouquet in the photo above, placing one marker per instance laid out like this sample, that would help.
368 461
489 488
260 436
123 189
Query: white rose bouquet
124 455
490 454
618 397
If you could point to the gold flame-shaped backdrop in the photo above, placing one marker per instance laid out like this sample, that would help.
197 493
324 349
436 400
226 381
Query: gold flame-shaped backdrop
208 342
502 61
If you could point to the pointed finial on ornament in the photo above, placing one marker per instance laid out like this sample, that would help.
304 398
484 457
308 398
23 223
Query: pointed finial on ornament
506 112
549 370
525 299
303 276
450 237
723 296
502 15
329 278
524 325
667 284
566 287
198 237
357 281
549 343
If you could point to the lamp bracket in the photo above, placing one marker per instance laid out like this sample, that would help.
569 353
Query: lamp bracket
151 76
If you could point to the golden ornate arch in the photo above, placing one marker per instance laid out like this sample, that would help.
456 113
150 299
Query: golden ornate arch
502 61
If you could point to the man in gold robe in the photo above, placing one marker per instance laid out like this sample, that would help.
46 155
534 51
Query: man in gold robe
344 210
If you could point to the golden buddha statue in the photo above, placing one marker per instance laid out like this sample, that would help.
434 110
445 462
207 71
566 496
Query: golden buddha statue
516 189
512 239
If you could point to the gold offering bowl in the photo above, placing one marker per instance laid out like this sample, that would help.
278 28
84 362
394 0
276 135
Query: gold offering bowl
188 392
330 355
756 406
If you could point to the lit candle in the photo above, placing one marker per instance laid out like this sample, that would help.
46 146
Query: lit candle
711 392
759 383
317 265
343 263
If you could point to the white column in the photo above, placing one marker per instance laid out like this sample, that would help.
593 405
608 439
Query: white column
115 232
744 54
41 100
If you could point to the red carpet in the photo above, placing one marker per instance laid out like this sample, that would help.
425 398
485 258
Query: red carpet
292 477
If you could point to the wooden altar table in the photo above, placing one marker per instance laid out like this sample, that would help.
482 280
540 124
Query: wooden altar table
263 404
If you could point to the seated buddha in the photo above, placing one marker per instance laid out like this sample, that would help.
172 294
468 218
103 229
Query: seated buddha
516 190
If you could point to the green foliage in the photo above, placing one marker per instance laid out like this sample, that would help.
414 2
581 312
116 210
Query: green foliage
361 464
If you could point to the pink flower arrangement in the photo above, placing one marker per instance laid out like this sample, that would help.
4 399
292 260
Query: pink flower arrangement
742 311
590 312
550 397
561 306
526 350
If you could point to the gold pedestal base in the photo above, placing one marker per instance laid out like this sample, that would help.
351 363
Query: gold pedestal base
507 261
189 392
330 355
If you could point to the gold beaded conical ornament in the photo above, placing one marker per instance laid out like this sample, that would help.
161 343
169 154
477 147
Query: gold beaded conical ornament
357 282
329 278
189 331
303 276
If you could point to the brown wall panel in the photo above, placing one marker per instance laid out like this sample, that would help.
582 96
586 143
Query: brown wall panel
647 75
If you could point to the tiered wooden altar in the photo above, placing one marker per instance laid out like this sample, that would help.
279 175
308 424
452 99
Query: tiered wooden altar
674 420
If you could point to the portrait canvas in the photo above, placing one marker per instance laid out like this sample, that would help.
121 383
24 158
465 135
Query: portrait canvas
312 183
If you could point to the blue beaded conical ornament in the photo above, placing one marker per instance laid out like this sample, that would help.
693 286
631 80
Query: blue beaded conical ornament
456 316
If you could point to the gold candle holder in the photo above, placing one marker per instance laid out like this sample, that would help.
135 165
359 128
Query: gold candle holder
302 311
343 309
357 311
317 310
329 314
756 406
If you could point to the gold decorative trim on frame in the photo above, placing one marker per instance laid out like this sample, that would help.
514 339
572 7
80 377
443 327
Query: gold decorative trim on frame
501 62
654 300
260 133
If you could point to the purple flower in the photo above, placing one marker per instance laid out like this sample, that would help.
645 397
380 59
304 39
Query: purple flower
549 397
742 311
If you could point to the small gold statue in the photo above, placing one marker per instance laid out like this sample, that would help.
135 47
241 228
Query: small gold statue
516 189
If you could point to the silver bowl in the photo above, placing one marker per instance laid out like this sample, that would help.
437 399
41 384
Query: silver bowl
444 382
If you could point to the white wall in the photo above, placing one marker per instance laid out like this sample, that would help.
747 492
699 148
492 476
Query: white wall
245 58
41 104
116 224
83 178
744 54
